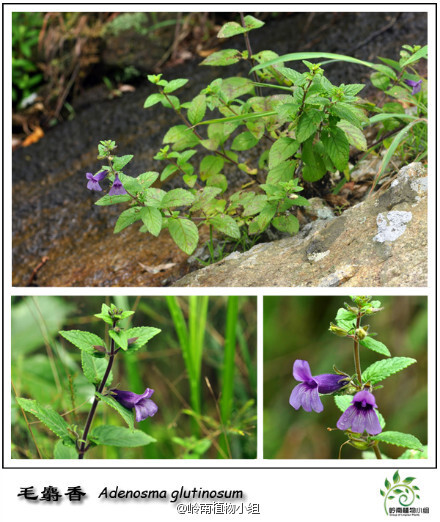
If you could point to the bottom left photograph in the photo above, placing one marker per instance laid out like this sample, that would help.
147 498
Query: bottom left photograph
133 377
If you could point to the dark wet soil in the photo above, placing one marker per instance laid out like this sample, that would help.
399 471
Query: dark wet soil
53 212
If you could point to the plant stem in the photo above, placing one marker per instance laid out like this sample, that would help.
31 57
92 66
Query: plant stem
377 451
249 50
82 448
357 359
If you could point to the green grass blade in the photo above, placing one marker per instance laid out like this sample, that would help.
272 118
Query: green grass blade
310 55
393 147
386 116
421 53
227 393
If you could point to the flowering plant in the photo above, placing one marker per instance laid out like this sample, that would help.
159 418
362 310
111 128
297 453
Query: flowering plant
355 395
97 360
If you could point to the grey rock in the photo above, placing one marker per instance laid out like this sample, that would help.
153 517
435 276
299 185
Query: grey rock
381 241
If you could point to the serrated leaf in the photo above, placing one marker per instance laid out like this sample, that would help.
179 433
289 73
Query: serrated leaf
154 197
266 215
185 234
152 219
289 224
396 438
282 150
225 57
343 401
348 112
146 179
282 172
64 451
94 368
173 85
308 124
226 224
382 369
354 135
177 198
120 338
83 340
119 162
112 200
143 334
49 417
210 165
127 218
244 141
231 29
126 414
120 436
153 99
197 109
345 315
376 346
337 147
255 205
204 197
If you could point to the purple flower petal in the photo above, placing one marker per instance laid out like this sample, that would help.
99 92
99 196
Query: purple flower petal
94 180
306 394
417 86
143 405
361 415
301 370
117 188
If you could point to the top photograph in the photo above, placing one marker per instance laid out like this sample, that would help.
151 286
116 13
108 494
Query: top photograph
208 149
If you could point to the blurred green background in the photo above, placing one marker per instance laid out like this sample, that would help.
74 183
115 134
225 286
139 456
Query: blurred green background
47 368
297 328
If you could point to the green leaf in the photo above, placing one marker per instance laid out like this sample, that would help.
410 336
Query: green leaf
348 112
83 340
396 479
112 200
154 197
64 451
343 401
197 109
314 167
226 225
396 438
337 147
282 172
282 150
244 141
94 368
119 436
204 197
382 369
376 346
345 315
421 53
127 218
48 417
152 219
289 224
254 205
210 165
120 338
143 334
231 29
126 414
153 99
119 162
266 215
173 85
146 179
235 87
181 136
177 198
104 315
354 135
380 81
185 234
308 124
225 57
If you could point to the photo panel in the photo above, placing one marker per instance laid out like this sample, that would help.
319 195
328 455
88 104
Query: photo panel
345 377
133 377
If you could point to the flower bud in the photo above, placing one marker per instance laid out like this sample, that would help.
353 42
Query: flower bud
361 333
338 330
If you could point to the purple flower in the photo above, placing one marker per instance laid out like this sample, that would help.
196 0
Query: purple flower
415 85
360 416
117 188
142 404
93 183
307 393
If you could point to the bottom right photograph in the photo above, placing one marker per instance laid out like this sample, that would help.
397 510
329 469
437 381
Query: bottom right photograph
345 377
